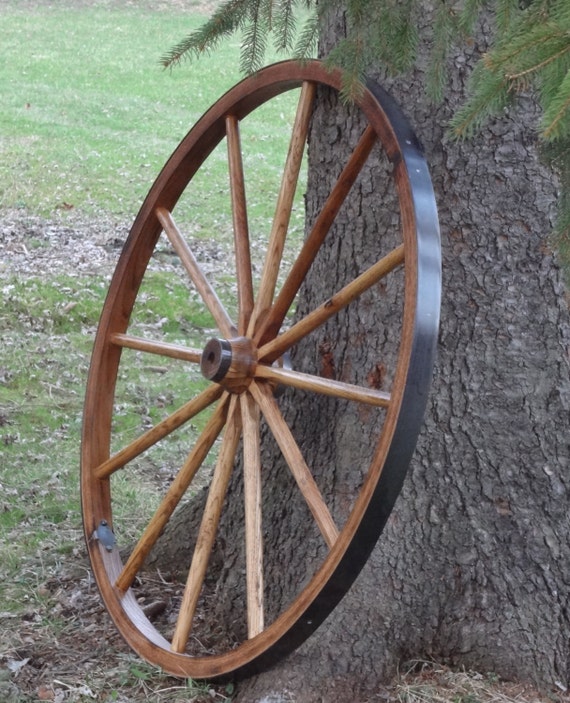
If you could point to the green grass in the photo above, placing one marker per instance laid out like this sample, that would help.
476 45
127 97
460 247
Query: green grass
88 116
70 303
43 363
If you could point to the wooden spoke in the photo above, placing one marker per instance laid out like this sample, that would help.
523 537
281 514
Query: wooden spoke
284 204
173 351
253 527
326 386
208 528
241 230
158 432
296 462
207 293
274 349
175 492
270 325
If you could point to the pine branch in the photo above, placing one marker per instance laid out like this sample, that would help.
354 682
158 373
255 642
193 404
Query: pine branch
308 38
387 33
285 26
556 119
405 35
534 51
526 49
531 49
348 55
446 28
469 14
224 22
541 65
506 15
558 152
489 96
254 39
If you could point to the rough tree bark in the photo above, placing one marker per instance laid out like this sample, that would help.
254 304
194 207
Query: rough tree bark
474 566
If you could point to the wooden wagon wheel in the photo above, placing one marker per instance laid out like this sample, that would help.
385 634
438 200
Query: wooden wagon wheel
237 408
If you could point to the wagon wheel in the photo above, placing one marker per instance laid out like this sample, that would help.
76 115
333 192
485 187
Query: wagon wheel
234 409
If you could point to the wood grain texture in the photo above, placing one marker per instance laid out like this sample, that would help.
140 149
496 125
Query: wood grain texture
253 514
160 431
240 225
336 557
271 324
296 462
284 204
208 527
273 350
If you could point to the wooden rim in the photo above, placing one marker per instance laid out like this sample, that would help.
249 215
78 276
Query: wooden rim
241 363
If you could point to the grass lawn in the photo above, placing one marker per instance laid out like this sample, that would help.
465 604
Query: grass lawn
87 114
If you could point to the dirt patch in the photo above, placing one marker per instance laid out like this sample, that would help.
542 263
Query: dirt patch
32 246
84 658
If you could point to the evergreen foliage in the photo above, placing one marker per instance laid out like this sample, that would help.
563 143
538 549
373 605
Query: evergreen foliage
529 49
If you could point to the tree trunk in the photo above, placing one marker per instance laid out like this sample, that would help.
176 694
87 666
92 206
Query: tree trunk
473 568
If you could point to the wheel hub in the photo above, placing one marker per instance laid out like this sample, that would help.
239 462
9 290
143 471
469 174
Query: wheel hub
229 362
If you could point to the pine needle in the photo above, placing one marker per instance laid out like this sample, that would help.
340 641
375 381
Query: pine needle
556 119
